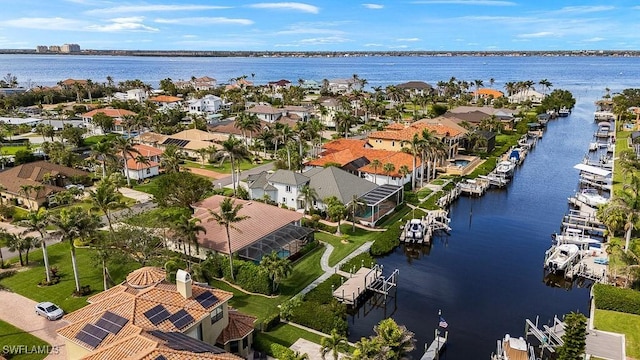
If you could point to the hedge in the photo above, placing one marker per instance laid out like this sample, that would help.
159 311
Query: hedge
323 293
320 311
356 263
273 349
609 297
386 241
254 278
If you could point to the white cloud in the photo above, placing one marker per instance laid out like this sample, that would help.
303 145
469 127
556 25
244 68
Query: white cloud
468 2
287 6
189 36
583 9
204 21
324 40
373 6
409 39
373 45
153 8
133 23
594 39
536 35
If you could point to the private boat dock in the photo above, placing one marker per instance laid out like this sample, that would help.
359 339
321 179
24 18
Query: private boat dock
432 221
363 281
432 352
583 220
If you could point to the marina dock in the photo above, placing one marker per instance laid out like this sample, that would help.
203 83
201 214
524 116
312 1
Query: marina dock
586 221
363 281
432 352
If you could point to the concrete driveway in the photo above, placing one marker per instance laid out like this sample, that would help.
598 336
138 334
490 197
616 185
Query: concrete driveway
19 311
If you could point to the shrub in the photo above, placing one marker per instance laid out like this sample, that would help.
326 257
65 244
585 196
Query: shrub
411 198
321 317
609 297
387 241
8 273
273 349
270 321
356 263
84 291
323 293
253 278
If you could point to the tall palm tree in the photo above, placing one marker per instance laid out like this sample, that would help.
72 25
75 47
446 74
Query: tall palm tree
103 151
334 344
307 195
15 244
375 164
106 198
74 223
627 201
369 349
188 229
234 150
202 153
171 159
228 216
477 83
414 150
125 147
277 267
388 168
404 171
354 207
397 339
38 221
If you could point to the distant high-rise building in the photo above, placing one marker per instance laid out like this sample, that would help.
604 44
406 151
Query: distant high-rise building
54 48
70 48
42 49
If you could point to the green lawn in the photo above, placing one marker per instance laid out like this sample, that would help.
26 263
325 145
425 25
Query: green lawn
92 140
12 150
26 282
150 186
340 249
621 145
286 335
618 322
304 272
11 335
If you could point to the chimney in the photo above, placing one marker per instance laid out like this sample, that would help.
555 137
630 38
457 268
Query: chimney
183 283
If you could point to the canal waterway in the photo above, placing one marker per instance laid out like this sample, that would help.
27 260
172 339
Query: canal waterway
487 276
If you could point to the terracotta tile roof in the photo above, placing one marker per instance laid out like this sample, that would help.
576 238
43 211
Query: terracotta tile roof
406 133
148 151
263 220
165 99
133 164
110 112
343 144
146 276
342 158
33 174
70 82
395 126
489 92
151 137
240 325
349 155
397 158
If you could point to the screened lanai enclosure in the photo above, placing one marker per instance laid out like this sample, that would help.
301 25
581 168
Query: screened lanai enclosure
379 202
286 242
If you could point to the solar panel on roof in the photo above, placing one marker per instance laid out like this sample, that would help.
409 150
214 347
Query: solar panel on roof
181 319
179 341
157 314
91 335
111 322
206 299
176 142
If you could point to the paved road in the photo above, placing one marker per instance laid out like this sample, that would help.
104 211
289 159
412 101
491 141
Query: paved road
14 229
19 311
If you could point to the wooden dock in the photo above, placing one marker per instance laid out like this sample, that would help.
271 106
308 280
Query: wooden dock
364 280
584 221
475 187
433 351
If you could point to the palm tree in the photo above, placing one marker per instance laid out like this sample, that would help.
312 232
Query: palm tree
546 84
171 159
105 198
477 83
234 150
74 223
404 171
189 229
15 244
375 164
277 267
307 195
334 344
388 168
627 201
38 221
397 339
126 148
354 207
202 153
102 151
228 216
368 349
414 150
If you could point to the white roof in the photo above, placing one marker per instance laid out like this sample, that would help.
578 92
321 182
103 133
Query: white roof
592 169
19 121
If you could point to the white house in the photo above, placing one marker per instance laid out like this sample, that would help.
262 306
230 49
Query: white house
526 95
140 171
302 112
166 102
327 109
209 104
138 95
266 113
342 86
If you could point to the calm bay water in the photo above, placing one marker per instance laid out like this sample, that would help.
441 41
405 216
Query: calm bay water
487 275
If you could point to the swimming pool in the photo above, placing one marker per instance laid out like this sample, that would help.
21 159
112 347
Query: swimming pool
461 162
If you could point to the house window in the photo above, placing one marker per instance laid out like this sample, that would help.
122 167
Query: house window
245 342
288 188
216 314
148 171
393 143
234 347
284 200
315 203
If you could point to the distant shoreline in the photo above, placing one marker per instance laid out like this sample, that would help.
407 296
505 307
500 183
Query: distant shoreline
188 53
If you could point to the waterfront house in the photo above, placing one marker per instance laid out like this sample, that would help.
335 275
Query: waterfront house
17 183
343 86
138 95
266 113
189 141
526 95
277 86
118 116
487 93
474 115
267 228
69 84
208 104
416 88
166 102
204 83
148 317
327 109
140 170
311 86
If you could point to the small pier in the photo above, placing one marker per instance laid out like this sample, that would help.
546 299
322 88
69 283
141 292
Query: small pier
475 187
586 221
431 222
363 281
494 179
449 197
432 352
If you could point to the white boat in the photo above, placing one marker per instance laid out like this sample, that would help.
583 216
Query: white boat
414 231
591 197
560 257
564 112
576 237
513 349
505 168
593 146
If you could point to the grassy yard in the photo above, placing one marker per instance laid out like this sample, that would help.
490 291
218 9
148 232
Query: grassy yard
621 145
304 272
11 335
150 187
92 140
12 150
26 282
618 322
286 335
351 242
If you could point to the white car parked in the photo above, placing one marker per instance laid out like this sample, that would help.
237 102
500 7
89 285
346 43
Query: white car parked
49 310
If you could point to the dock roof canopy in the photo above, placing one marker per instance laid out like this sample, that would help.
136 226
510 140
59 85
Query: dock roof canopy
592 169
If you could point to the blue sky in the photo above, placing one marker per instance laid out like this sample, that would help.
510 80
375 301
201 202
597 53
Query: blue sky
327 25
